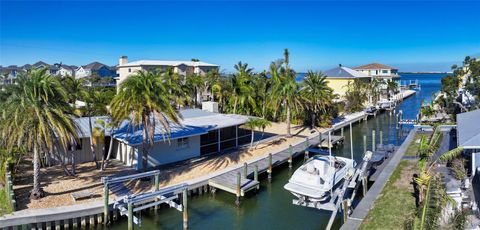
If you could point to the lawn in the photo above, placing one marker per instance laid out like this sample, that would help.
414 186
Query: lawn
413 148
396 203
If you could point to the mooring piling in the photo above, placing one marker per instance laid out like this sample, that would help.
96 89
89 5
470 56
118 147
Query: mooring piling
245 170
269 171
185 209
373 140
290 157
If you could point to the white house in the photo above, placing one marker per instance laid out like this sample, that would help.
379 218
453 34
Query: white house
378 70
125 68
199 133
65 70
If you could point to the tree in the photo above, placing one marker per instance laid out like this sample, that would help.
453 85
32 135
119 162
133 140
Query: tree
285 88
143 98
243 91
254 123
194 86
355 96
316 93
37 116
392 87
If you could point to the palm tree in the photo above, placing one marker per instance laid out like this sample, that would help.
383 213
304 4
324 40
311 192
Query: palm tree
96 104
243 91
392 87
174 84
285 88
254 123
316 93
143 98
212 81
37 116
194 85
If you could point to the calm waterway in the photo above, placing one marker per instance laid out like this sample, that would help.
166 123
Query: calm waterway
271 207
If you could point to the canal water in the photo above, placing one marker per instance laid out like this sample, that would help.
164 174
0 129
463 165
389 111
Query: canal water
271 207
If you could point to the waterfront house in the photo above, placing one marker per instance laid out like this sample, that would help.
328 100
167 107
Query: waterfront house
199 133
94 68
338 78
468 137
125 68
377 70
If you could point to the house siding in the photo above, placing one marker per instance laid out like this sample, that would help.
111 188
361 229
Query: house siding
161 153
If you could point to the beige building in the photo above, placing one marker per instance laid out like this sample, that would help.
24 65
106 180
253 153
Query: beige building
125 68
378 70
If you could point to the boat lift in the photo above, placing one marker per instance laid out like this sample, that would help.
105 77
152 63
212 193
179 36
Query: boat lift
338 197
130 203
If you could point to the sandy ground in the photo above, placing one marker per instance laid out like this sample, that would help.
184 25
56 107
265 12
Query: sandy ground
59 186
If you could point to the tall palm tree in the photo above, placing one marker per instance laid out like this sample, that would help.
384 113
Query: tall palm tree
194 85
37 116
285 89
256 123
317 94
212 80
143 98
174 82
392 87
243 91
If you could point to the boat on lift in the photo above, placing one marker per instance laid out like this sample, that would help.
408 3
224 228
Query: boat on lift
314 180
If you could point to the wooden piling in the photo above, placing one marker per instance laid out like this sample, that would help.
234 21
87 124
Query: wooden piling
91 221
255 173
57 225
373 141
106 210
381 137
237 200
130 216
83 222
269 171
66 224
185 209
341 131
364 185
290 157
245 170
305 158
345 210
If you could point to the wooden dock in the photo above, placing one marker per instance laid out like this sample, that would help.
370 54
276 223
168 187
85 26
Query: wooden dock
334 141
248 174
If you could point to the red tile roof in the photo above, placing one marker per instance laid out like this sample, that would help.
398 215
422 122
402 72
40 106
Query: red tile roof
374 66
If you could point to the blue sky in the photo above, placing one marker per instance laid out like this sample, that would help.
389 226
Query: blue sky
413 36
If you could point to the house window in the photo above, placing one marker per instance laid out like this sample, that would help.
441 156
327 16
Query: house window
129 70
384 71
182 143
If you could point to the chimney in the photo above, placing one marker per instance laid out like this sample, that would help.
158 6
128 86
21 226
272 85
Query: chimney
123 60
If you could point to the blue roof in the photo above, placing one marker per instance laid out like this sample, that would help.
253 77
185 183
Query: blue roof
193 122
133 135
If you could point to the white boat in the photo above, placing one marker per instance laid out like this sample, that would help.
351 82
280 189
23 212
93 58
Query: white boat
386 104
314 180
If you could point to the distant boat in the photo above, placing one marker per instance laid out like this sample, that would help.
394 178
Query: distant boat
317 176
370 109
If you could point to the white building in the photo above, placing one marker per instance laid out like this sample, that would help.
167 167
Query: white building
199 133
378 70
125 68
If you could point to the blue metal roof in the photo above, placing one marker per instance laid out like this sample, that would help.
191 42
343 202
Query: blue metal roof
133 135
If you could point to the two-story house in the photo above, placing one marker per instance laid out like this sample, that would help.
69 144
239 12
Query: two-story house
377 70
125 68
